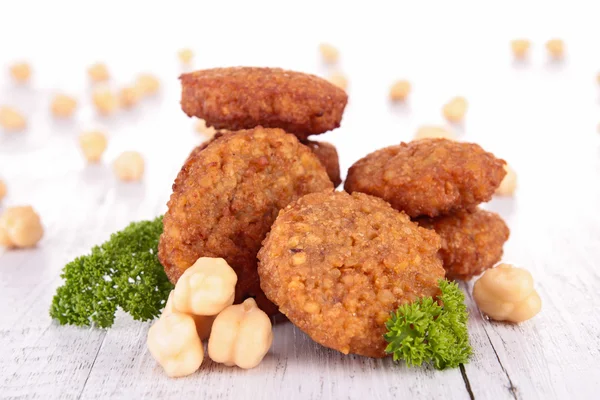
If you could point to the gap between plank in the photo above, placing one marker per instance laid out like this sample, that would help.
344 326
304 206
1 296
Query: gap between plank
467 383
512 389
92 366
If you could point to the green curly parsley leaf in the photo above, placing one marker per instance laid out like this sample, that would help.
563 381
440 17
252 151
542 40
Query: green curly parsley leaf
427 331
123 272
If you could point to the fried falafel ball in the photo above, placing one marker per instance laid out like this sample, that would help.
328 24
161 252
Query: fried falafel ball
325 152
337 264
471 241
244 97
328 155
428 177
226 197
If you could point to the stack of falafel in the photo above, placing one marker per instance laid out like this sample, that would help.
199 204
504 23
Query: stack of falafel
261 196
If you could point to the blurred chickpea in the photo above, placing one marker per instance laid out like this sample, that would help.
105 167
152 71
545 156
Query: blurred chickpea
203 322
147 85
105 101
20 72
129 166
92 145
509 183
329 53
434 132
208 131
598 78
241 335
98 73
129 96
455 109
506 293
205 288
175 345
63 106
185 56
400 90
20 227
520 48
11 120
2 189
339 80
556 48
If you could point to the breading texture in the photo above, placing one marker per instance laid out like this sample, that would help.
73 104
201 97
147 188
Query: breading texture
429 176
328 155
337 264
226 197
244 97
325 152
471 241
205 144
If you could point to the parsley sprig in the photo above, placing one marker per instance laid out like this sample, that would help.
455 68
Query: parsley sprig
123 272
430 331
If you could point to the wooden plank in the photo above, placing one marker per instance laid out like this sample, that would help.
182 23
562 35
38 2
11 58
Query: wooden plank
295 367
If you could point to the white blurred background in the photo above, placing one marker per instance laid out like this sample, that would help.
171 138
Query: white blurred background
538 115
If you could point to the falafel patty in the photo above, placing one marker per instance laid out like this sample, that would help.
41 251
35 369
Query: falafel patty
337 264
429 176
244 97
226 197
471 241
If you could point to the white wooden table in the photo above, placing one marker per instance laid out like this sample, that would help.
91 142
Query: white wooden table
541 117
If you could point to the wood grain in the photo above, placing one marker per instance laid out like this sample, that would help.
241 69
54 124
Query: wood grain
516 112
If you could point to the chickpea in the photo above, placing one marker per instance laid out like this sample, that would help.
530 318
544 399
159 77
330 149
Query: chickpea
556 48
92 145
598 78
400 90
509 183
20 227
20 72
63 106
129 96
329 53
185 56
12 120
430 131
205 288
520 48
241 335
208 131
147 85
2 189
105 101
129 166
455 109
506 293
339 80
203 322
175 345
98 73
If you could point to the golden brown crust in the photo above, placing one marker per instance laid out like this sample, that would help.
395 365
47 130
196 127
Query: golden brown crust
338 264
471 242
328 155
244 97
429 176
205 144
325 152
226 197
